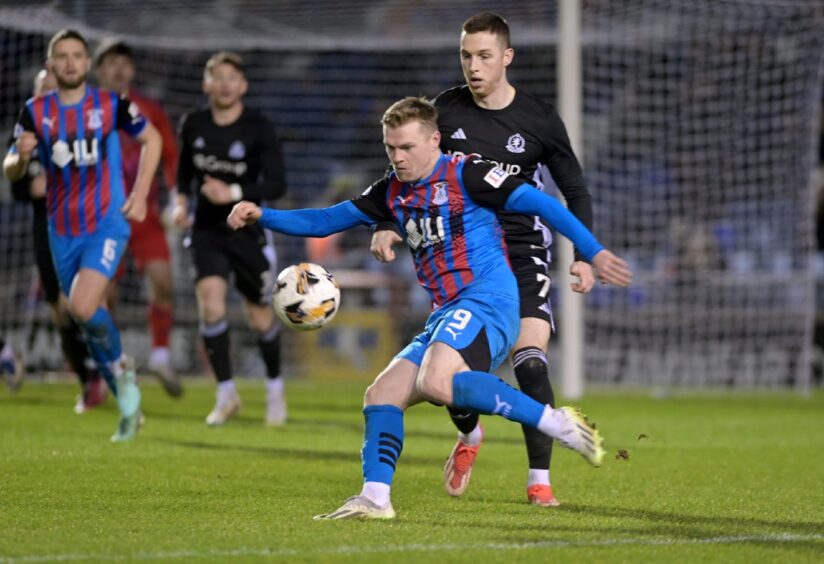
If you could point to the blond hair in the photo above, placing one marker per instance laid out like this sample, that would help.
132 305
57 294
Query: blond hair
411 108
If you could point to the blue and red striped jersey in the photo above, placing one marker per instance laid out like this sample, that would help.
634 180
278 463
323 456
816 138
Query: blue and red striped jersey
448 220
79 148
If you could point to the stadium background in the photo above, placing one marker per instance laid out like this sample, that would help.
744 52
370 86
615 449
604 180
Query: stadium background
700 148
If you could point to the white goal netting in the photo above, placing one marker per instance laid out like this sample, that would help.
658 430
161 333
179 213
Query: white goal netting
699 123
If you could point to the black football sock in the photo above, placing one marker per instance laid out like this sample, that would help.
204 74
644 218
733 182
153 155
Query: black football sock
75 349
269 343
464 420
533 379
216 340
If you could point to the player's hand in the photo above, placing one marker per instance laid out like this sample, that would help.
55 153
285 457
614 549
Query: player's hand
26 143
243 214
612 269
180 215
382 242
37 188
586 278
135 208
216 191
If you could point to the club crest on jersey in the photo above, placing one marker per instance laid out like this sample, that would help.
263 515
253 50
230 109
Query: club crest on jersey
237 150
496 176
94 118
440 197
199 143
516 144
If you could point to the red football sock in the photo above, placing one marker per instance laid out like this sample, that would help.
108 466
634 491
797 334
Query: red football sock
160 324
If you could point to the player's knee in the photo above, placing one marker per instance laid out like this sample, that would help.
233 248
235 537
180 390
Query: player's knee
212 312
373 395
533 380
379 393
162 289
82 311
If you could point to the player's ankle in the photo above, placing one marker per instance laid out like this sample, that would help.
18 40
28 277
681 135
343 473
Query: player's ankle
376 492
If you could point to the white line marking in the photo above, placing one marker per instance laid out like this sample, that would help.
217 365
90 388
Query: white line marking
777 537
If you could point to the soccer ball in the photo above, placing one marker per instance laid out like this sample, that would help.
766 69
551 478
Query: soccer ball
306 296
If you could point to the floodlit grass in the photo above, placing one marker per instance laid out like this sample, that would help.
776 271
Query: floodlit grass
717 478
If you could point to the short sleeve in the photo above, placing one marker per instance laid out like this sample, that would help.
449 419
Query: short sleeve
129 118
373 201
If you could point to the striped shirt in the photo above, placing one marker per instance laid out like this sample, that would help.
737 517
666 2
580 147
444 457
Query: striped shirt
79 148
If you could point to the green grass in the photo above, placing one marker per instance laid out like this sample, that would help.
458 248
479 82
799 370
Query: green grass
732 478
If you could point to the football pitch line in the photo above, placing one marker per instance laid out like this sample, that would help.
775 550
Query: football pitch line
446 547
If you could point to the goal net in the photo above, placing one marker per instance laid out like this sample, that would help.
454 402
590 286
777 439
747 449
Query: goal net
699 121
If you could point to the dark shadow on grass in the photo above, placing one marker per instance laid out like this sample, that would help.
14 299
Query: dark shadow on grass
723 524
546 528
291 453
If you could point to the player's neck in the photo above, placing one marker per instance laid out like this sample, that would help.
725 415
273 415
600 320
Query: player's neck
70 96
498 99
227 116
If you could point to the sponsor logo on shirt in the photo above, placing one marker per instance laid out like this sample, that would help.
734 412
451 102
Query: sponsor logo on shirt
237 150
199 143
84 152
459 134
496 176
512 169
210 163
516 144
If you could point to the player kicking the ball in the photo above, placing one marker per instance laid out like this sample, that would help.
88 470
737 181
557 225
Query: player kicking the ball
445 208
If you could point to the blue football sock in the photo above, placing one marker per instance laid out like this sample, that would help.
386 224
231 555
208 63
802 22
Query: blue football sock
382 442
482 392
103 339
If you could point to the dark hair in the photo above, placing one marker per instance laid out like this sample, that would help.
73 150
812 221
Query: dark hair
66 34
225 58
411 108
488 21
112 47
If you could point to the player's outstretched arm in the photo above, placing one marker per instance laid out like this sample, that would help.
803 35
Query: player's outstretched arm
312 222
611 269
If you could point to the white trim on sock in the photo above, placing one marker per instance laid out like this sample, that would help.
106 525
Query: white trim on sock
274 386
549 423
376 492
537 476
474 438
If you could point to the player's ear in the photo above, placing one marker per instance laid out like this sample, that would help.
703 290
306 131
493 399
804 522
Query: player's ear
205 85
244 87
436 137
509 54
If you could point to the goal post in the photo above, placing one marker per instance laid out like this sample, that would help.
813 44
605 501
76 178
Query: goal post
695 122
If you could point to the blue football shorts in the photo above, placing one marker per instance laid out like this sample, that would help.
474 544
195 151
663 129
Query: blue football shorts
100 251
482 328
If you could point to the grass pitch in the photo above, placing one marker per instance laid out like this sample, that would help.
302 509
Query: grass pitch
732 478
